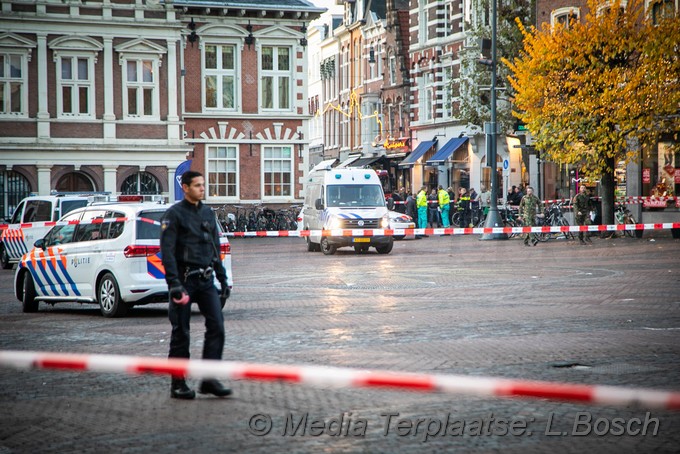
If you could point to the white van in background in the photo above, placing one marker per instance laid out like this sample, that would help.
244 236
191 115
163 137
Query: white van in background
345 198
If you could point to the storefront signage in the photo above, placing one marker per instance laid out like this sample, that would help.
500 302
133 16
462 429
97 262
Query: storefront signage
393 144
655 203
647 175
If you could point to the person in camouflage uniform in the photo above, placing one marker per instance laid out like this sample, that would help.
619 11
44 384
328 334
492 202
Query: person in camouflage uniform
529 207
582 207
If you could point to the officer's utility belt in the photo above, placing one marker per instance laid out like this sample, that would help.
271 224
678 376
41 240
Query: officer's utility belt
202 273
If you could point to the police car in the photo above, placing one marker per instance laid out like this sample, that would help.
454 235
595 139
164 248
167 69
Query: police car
32 219
106 254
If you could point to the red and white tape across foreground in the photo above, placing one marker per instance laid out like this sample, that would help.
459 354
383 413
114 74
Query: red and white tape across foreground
457 230
345 378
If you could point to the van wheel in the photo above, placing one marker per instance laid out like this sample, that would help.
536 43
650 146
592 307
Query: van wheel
312 247
386 249
109 297
326 247
4 259
29 304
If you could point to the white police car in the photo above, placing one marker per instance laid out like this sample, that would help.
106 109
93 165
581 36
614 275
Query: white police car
401 221
106 254
32 218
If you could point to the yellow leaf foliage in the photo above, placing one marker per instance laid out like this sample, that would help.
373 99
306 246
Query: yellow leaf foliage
590 90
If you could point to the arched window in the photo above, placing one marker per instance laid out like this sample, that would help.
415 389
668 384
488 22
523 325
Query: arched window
75 182
142 183
13 188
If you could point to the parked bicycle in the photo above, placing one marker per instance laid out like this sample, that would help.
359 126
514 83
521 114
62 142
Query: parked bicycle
623 216
554 217
509 216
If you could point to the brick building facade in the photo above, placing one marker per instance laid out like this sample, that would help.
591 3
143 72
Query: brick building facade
112 96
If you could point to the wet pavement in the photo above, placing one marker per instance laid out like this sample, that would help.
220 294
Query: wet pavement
602 314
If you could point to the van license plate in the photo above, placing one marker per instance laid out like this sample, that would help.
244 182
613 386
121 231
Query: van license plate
362 240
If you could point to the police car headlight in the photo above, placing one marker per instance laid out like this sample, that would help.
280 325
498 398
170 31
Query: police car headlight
385 222
334 223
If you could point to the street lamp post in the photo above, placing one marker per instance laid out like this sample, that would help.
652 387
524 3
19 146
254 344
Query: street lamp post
493 219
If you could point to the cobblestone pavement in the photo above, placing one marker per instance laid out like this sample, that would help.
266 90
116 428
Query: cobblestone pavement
602 314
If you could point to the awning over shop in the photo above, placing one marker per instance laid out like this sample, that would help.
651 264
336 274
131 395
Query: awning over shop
447 150
323 165
416 154
348 161
365 161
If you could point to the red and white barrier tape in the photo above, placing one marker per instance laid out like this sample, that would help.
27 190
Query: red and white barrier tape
390 232
630 200
74 222
345 378
456 230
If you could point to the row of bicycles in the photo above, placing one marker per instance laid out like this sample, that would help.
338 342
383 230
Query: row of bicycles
242 218
554 216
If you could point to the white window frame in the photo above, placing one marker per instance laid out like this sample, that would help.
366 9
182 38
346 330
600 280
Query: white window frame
447 106
140 86
426 97
89 83
372 68
219 73
276 74
7 80
379 60
393 69
649 7
567 11
422 21
291 161
208 160
604 7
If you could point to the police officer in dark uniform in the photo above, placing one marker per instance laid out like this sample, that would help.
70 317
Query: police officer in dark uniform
190 254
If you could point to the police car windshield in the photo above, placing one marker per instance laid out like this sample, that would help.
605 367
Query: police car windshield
148 225
70 205
352 196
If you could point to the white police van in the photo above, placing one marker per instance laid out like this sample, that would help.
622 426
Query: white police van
106 254
32 219
345 198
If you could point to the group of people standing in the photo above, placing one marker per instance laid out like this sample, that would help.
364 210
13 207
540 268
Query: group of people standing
437 208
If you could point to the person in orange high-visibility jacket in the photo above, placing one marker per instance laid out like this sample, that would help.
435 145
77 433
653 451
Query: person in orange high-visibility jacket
421 204
444 200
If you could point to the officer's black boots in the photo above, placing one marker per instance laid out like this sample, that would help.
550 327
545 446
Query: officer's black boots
180 390
213 387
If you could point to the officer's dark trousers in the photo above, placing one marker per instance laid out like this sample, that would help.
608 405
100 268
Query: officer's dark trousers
203 293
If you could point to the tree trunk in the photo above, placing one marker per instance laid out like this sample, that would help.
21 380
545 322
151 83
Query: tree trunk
608 187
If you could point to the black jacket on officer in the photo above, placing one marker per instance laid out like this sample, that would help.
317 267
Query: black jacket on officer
190 239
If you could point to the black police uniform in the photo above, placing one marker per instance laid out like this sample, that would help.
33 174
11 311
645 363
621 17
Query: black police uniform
189 250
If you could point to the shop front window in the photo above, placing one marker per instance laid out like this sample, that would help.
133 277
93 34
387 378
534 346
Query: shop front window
661 175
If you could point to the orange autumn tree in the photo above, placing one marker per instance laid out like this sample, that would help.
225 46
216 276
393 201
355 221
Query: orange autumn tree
600 91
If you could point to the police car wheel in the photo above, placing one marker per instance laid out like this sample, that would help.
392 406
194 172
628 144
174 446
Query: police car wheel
109 297
326 247
312 247
4 259
29 304
386 249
